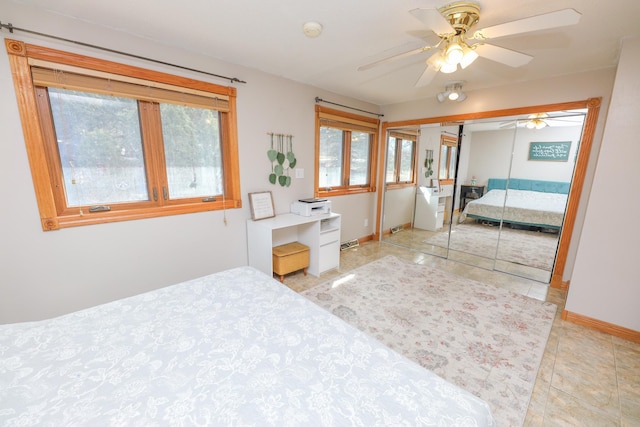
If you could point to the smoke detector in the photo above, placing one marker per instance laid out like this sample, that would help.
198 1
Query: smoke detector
312 29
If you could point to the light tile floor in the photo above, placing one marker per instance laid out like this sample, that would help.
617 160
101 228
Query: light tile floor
586 378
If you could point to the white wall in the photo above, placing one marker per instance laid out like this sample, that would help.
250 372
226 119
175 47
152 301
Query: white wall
398 207
491 154
606 284
43 274
546 170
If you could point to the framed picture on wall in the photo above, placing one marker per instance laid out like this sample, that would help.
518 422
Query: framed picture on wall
550 151
261 205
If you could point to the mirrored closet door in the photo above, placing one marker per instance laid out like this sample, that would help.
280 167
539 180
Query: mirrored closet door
490 193
537 191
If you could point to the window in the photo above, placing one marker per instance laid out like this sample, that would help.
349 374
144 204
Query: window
116 142
448 159
401 158
345 152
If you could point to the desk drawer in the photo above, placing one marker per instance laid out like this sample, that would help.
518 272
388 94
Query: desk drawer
329 236
329 257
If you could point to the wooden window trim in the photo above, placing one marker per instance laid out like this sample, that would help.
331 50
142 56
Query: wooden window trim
414 167
43 169
449 141
347 122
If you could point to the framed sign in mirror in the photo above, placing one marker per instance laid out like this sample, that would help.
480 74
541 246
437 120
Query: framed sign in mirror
550 151
261 205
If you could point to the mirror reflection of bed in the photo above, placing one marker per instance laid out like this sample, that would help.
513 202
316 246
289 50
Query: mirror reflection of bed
524 218
518 231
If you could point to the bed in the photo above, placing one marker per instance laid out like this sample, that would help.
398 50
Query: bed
529 203
233 348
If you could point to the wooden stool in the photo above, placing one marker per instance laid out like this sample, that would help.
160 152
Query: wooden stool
289 258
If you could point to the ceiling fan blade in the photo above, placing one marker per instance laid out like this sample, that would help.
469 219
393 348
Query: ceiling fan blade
507 125
426 77
502 55
560 18
393 58
434 20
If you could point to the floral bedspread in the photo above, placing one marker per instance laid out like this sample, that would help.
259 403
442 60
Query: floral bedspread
521 207
235 348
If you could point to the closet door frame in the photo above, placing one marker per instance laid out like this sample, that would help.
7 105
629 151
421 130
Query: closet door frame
593 109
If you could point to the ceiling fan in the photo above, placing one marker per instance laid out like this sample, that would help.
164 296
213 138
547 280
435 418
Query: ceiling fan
454 23
542 120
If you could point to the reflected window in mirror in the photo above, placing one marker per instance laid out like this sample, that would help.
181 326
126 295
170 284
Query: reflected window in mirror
401 158
448 157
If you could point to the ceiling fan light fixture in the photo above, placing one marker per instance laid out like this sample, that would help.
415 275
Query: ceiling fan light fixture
536 121
435 61
453 54
442 96
453 92
470 55
454 24
536 124
448 68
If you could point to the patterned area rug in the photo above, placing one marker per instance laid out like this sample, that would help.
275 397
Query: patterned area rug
486 340
523 247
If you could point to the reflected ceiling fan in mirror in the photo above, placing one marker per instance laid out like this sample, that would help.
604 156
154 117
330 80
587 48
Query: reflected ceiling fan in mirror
542 120
537 121
460 44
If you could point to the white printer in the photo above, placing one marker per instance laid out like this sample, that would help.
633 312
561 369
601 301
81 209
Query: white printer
309 207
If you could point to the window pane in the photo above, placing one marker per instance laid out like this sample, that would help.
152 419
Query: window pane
444 159
359 168
391 160
452 162
100 147
192 151
406 161
330 157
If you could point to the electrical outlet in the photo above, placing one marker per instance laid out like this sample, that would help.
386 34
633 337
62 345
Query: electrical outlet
366 222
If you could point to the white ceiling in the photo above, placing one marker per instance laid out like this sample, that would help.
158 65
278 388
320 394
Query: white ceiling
267 35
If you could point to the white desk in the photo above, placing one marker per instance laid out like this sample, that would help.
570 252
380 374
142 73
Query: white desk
320 232
429 211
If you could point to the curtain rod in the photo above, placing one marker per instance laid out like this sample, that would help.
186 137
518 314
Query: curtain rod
346 106
11 29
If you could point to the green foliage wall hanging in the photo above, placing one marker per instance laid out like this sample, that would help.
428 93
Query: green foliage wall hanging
282 159
428 163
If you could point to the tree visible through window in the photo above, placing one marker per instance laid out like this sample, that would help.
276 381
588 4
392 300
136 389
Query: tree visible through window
345 152
100 148
401 158
448 159
192 151
111 147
